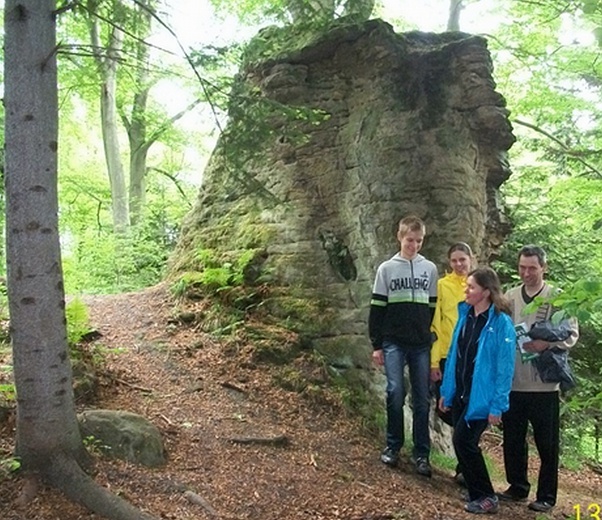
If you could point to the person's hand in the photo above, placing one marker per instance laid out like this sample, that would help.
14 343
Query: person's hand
442 406
536 345
435 375
378 357
494 420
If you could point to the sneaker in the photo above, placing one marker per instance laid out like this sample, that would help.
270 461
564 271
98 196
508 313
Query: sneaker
423 467
389 457
541 506
483 506
512 495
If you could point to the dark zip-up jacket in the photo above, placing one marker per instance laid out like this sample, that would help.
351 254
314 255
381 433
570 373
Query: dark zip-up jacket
403 302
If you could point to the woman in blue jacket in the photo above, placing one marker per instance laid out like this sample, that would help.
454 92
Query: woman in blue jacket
478 378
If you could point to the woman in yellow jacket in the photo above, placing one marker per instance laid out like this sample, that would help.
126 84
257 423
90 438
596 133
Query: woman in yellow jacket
450 292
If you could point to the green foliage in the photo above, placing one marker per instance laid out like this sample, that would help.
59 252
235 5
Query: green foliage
78 324
95 260
216 274
8 466
298 11
7 392
256 122
95 446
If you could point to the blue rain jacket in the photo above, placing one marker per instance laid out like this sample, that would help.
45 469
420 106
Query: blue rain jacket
494 365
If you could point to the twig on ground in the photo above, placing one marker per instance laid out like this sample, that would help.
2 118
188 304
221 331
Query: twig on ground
166 420
131 385
232 386
278 440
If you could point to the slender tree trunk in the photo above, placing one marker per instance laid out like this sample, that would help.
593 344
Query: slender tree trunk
137 127
107 61
453 22
108 114
138 158
48 439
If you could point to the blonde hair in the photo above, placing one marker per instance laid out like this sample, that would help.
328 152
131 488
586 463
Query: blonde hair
411 223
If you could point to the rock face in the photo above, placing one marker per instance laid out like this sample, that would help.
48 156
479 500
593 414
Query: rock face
412 124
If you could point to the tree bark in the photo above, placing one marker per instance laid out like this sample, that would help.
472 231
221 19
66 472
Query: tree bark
137 126
46 420
49 442
107 66
453 22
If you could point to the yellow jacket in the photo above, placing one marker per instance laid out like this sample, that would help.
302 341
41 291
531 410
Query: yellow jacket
450 292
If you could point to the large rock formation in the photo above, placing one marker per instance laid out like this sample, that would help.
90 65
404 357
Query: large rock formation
412 124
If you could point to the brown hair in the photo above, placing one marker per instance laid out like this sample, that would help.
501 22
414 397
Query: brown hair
531 250
488 279
459 246
411 223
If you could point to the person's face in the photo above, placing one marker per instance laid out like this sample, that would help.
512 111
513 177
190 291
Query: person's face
475 294
411 243
459 261
530 271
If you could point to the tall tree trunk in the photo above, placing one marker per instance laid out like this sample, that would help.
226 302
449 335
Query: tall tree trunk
107 61
138 155
453 22
137 127
110 139
48 438
46 416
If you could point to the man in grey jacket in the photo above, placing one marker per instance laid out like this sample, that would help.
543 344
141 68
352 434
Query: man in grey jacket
532 400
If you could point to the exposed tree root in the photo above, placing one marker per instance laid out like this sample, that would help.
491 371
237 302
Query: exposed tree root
29 491
197 499
66 475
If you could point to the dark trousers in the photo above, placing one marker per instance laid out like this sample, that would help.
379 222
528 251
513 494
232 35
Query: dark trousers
470 458
446 417
542 410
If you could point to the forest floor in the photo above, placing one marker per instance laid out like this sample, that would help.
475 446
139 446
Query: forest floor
210 402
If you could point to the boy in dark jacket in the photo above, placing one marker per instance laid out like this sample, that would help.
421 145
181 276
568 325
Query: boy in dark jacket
401 311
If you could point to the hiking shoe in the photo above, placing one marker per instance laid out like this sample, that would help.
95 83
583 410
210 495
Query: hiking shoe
423 467
512 495
541 506
389 457
483 506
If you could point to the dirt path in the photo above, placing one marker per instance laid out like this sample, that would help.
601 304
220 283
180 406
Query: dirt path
210 402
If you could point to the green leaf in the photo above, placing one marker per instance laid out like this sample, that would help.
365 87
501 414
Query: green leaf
589 6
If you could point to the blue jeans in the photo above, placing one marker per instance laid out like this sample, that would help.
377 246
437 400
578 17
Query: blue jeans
418 360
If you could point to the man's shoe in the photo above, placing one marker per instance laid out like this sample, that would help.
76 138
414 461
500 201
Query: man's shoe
511 495
423 467
541 506
483 506
389 457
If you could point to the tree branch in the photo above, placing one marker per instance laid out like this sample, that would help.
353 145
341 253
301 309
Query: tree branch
157 133
564 148
174 179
